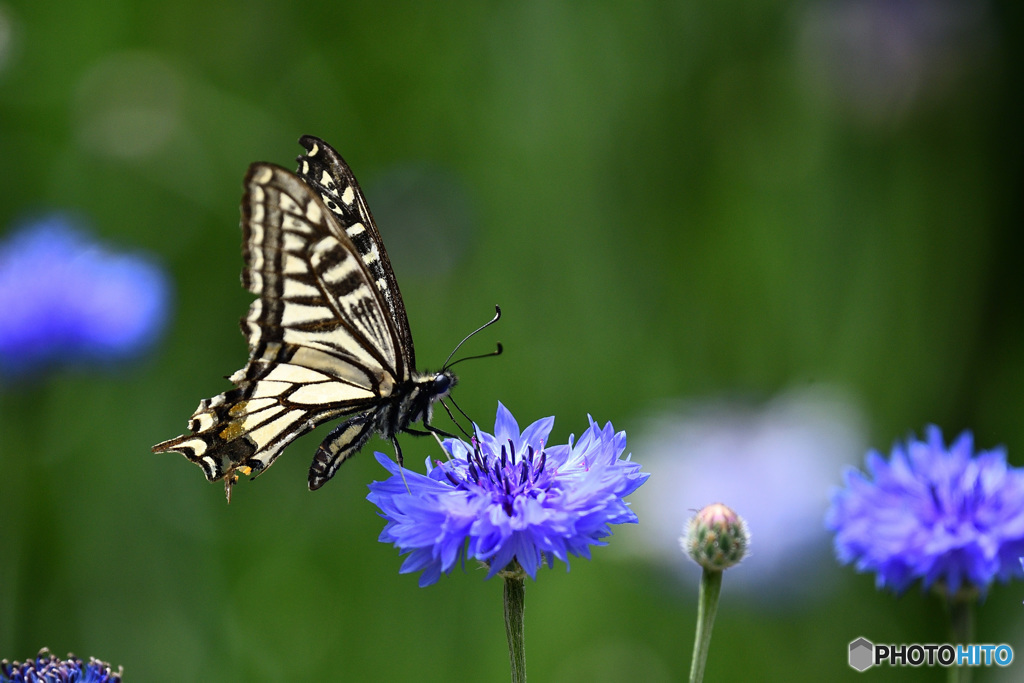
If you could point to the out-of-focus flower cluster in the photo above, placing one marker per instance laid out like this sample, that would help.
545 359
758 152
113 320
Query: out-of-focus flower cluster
66 299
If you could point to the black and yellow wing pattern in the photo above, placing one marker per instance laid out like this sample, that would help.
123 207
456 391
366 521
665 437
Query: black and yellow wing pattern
328 334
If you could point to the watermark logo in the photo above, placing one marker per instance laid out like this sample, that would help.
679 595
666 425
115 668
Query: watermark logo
864 654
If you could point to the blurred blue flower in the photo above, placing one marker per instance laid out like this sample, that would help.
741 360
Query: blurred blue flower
942 515
65 298
745 452
46 668
508 496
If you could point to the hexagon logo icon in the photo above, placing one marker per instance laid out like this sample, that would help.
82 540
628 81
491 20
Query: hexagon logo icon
862 654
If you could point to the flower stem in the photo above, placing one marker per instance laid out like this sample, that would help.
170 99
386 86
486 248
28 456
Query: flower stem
707 606
961 631
515 595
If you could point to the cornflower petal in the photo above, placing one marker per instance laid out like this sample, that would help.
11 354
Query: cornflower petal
508 496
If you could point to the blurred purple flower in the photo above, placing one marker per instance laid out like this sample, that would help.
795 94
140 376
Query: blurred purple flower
508 497
65 298
883 58
944 515
745 454
46 668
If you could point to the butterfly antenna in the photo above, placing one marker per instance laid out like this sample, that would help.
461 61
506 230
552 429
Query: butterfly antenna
497 352
496 318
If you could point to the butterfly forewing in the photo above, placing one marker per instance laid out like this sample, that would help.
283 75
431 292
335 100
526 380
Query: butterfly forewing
328 335
323 169
313 285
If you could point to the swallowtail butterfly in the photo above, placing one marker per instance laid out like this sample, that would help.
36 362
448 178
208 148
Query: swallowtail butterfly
328 335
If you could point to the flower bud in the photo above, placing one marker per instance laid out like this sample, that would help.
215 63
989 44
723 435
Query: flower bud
716 538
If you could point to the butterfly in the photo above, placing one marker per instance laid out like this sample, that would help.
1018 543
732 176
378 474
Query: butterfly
328 335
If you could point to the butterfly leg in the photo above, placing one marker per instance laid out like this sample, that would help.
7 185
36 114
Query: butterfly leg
343 441
430 431
398 451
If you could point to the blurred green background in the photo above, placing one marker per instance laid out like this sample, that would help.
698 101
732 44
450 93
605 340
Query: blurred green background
669 201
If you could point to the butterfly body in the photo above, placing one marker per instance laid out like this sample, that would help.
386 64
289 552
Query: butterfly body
328 334
409 402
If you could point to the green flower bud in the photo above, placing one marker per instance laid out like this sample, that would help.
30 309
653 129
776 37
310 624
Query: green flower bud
716 538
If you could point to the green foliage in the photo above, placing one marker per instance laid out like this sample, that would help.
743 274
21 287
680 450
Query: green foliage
665 201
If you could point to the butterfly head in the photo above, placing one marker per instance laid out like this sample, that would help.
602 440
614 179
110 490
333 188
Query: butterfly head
416 404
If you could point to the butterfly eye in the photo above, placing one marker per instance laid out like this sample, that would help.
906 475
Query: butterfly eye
442 383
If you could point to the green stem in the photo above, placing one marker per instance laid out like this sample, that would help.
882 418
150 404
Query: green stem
961 631
515 596
707 606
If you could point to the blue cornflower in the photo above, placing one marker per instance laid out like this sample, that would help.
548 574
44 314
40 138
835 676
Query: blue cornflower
46 668
507 497
65 298
944 515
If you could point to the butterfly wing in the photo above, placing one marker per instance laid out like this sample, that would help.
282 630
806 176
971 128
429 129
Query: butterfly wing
325 171
321 340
